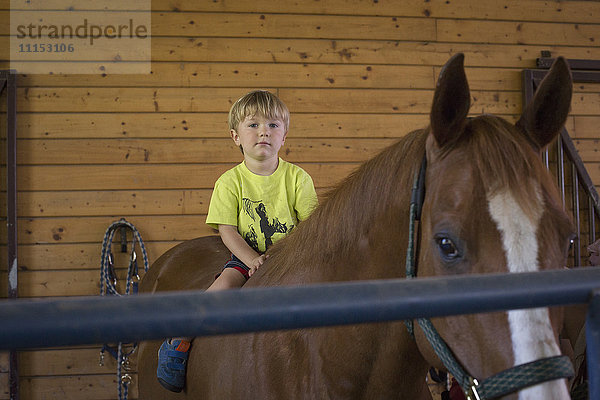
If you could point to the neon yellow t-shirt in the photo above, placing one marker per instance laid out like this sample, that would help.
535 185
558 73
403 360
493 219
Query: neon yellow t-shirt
264 208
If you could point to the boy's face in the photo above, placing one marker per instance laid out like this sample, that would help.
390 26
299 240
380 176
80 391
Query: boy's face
260 137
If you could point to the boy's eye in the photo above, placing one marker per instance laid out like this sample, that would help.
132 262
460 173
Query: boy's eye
254 125
273 125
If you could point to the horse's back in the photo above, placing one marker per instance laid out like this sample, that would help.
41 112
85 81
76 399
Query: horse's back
189 265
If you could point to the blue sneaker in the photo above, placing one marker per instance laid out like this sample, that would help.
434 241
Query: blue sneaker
172 364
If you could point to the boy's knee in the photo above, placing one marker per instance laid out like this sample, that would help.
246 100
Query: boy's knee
230 278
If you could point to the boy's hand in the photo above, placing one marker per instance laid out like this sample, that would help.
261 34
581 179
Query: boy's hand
256 263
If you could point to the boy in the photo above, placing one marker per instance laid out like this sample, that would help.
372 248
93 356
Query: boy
253 205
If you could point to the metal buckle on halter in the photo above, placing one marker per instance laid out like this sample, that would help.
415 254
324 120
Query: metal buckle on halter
472 394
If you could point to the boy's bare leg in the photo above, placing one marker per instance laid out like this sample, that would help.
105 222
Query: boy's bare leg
229 279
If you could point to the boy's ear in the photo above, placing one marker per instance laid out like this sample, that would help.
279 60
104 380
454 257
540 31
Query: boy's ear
236 139
234 136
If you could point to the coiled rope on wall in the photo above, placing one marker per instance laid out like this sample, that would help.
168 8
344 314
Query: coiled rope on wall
108 286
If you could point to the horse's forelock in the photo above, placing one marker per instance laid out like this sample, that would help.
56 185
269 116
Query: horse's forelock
505 161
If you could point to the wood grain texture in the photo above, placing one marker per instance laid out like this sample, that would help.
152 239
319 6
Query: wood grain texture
356 75
207 125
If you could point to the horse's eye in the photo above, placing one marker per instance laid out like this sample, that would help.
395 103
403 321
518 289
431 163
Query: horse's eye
447 249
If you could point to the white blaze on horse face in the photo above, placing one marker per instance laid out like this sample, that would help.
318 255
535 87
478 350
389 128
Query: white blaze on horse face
531 332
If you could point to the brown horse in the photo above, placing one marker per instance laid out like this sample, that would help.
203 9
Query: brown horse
490 206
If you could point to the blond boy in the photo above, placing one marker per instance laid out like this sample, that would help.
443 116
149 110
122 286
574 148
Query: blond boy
253 205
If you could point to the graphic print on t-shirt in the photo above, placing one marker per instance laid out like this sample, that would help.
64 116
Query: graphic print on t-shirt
268 229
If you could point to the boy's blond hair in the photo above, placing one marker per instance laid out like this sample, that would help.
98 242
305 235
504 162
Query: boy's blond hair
261 103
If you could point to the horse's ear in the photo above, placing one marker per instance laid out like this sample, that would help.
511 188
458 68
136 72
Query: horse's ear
544 117
451 101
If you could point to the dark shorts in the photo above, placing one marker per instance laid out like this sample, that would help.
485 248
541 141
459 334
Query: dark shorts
238 265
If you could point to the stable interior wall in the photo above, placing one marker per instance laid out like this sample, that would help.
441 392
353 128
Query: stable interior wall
356 75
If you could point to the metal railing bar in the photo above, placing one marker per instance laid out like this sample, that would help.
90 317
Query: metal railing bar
576 214
560 170
574 64
592 220
64 322
583 176
545 158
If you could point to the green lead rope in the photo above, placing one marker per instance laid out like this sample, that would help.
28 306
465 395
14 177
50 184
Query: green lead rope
503 383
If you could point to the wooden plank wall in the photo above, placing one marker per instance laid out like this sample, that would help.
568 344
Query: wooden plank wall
356 74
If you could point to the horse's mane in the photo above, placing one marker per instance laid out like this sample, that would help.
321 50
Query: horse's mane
501 155
339 223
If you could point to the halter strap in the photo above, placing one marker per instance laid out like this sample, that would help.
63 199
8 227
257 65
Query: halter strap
500 384
416 206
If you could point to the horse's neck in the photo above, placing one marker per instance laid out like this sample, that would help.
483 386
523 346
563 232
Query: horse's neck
361 230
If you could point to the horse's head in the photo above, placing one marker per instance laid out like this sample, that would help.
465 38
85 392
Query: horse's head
490 207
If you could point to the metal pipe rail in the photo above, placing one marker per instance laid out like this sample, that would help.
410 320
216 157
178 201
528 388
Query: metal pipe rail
91 320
